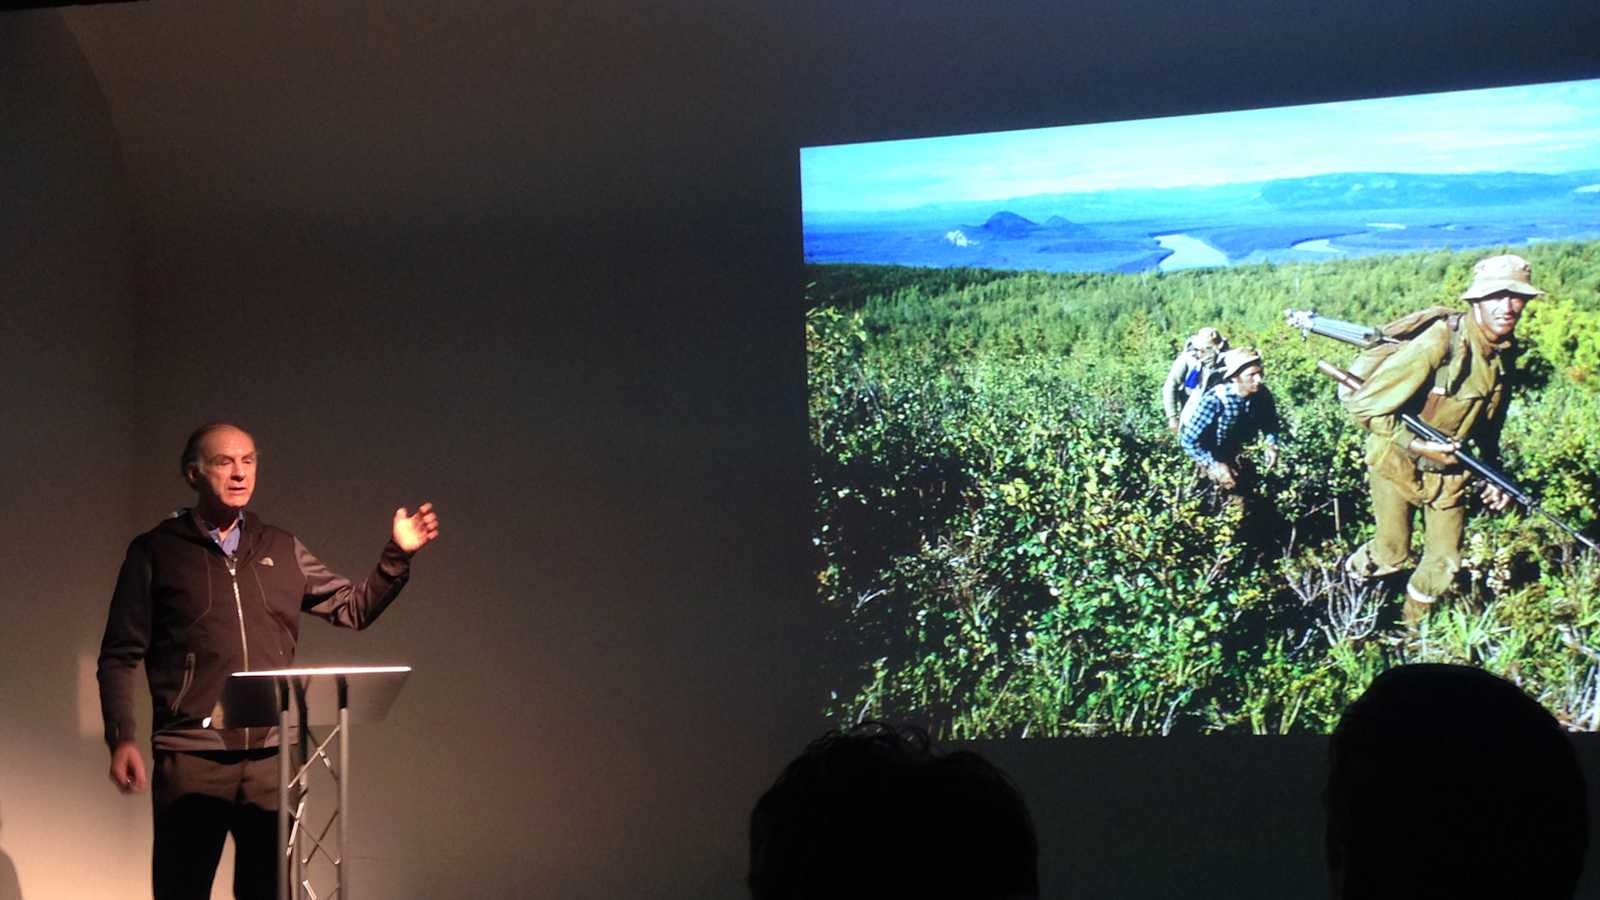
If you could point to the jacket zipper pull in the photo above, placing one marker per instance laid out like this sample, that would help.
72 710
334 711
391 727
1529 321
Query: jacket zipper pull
232 563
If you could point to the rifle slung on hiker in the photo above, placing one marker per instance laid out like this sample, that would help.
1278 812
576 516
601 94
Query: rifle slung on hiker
1367 337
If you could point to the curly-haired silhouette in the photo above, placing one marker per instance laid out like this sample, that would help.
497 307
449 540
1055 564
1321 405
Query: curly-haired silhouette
1448 782
879 811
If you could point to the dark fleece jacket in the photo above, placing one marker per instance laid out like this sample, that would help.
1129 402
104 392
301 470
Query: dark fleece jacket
192 615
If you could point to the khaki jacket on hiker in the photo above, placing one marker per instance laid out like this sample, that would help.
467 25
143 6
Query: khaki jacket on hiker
1456 379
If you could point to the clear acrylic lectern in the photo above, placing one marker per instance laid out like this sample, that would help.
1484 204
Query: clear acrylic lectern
331 697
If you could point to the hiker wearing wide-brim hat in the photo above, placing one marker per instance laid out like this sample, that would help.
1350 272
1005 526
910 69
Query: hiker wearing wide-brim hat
1235 361
1192 374
1455 376
1228 418
1506 273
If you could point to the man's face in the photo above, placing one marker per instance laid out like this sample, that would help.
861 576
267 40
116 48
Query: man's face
226 474
1497 314
1248 381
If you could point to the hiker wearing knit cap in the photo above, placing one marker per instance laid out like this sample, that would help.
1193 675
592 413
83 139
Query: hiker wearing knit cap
1194 372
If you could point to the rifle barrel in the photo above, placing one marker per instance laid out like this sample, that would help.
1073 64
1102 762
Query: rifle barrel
1476 466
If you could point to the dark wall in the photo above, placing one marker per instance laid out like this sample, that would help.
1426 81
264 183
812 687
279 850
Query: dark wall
540 264
66 391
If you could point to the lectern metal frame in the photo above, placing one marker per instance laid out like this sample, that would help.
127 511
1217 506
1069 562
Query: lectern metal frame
294 700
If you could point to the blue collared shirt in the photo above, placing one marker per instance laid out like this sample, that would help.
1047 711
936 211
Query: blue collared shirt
229 544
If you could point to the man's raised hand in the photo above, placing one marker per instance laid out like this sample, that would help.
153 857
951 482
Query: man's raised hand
414 530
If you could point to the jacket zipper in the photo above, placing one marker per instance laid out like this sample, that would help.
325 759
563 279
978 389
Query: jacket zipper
188 682
244 645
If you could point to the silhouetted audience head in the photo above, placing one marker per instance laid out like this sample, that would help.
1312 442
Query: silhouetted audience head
1448 782
879 811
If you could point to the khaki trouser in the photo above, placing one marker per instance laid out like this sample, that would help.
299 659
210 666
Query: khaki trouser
1390 550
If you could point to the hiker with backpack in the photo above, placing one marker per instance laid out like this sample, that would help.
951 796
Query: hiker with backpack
1195 371
1227 418
1452 370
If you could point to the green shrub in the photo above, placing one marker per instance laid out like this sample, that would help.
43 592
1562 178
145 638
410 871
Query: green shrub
1013 544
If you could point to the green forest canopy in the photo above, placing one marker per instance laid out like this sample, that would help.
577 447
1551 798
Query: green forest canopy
1014 544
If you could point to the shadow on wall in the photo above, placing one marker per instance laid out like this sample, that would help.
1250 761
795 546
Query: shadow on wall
10 887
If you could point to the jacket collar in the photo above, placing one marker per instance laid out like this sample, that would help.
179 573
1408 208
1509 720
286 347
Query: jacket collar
186 522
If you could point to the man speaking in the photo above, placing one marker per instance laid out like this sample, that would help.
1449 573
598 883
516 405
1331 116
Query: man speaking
211 591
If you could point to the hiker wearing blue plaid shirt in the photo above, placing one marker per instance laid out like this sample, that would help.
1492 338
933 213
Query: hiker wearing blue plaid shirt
1229 416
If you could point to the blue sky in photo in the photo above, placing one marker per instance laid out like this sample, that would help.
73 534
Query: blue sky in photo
1536 128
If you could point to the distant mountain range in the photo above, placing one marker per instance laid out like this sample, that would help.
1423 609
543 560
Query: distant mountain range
1251 200
1401 191
1005 224
1282 220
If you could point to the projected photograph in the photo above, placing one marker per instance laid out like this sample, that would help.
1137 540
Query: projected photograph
1194 425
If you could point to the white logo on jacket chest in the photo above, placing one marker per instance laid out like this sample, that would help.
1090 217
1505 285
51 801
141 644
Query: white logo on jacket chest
266 561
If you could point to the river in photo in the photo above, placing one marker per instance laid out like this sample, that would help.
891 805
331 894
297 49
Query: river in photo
1189 253
1320 245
